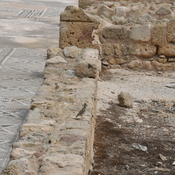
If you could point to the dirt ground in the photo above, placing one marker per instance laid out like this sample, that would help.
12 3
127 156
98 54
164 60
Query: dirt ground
138 140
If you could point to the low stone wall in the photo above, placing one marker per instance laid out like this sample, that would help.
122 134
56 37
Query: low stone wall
53 141
127 34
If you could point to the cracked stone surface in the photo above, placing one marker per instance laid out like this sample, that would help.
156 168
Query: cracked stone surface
27 29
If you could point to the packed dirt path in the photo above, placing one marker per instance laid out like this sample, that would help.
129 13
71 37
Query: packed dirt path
28 28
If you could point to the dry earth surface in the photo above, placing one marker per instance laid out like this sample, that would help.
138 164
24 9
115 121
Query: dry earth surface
138 140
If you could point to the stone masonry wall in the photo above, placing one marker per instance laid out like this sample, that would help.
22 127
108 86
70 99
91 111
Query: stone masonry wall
128 34
53 141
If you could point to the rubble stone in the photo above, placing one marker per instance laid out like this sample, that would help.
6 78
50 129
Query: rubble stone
125 100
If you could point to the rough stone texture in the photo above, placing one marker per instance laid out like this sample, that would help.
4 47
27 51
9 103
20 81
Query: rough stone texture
140 33
113 33
135 64
10 170
167 50
88 64
72 13
72 52
53 141
125 100
163 11
105 11
171 31
159 34
144 50
77 34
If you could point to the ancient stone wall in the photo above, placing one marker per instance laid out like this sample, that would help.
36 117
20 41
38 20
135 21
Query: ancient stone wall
53 140
128 34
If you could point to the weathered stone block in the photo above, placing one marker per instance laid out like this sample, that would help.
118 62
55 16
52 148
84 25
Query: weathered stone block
171 31
72 13
133 16
144 50
163 11
121 11
113 33
159 34
118 49
88 64
105 11
135 64
108 49
141 33
77 34
72 52
167 50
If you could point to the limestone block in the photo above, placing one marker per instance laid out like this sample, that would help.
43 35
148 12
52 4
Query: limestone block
118 49
18 153
118 20
141 33
135 64
55 60
171 31
72 13
115 32
133 16
159 33
114 61
167 50
88 64
144 50
163 11
51 52
77 34
121 11
105 11
34 127
145 18
24 165
72 52
108 49
147 65
64 160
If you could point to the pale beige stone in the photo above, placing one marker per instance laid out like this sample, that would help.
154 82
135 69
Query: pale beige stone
135 64
51 52
143 50
163 11
88 64
171 31
167 50
56 60
18 153
141 33
108 49
73 13
159 34
105 11
147 65
125 100
72 52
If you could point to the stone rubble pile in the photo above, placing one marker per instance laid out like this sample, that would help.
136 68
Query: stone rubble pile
53 141
127 34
